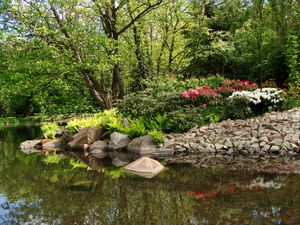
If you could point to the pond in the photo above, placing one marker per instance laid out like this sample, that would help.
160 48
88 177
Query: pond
56 189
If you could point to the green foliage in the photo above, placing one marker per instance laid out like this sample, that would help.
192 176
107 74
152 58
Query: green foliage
211 115
236 108
113 171
53 158
293 98
292 57
157 136
147 105
184 119
76 163
49 129
176 85
77 123
107 116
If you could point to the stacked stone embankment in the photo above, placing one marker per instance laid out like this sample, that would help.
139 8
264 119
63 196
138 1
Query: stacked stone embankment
268 143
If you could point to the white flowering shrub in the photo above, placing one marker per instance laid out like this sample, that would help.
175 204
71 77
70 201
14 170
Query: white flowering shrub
261 100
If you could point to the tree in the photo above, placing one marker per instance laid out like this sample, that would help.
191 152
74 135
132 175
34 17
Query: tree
86 33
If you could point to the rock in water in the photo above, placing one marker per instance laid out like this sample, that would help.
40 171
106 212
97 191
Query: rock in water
29 147
52 145
145 167
142 145
87 135
118 141
98 149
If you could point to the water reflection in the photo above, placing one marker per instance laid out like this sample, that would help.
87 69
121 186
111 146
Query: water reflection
60 190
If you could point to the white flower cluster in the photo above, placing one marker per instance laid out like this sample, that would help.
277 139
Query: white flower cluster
271 95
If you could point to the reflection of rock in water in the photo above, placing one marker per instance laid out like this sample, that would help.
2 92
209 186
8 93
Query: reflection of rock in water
122 158
92 162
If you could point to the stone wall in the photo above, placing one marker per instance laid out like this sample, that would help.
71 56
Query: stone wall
268 143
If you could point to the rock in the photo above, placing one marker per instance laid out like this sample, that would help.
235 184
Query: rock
87 135
98 153
163 153
219 146
253 140
59 133
125 122
52 145
264 139
276 142
99 149
274 149
67 137
118 141
228 143
145 167
30 146
265 148
255 145
120 159
262 144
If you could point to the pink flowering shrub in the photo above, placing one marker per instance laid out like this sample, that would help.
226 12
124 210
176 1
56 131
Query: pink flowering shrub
206 95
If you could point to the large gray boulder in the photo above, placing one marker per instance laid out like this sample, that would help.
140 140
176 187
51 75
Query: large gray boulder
118 141
145 167
99 149
142 146
85 136
52 145
30 146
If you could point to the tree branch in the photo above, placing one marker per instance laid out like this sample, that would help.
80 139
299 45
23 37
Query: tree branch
145 11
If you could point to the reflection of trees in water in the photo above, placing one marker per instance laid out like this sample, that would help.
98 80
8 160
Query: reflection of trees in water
55 193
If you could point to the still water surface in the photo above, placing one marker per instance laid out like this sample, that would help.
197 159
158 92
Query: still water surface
37 189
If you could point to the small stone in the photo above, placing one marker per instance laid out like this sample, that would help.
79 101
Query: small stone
276 142
261 144
264 139
275 149
253 140
255 145
265 148
218 146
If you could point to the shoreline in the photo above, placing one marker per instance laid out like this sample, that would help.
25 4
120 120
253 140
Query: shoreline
270 143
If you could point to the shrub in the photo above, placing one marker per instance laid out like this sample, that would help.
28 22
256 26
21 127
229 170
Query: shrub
262 100
49 129
148 106
206 95
184 119
171 84
236 108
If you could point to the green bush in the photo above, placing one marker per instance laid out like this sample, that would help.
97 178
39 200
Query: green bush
173 85
236 108
147 105
184 119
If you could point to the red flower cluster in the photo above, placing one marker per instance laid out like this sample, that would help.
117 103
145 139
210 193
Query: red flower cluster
240 85
205 94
